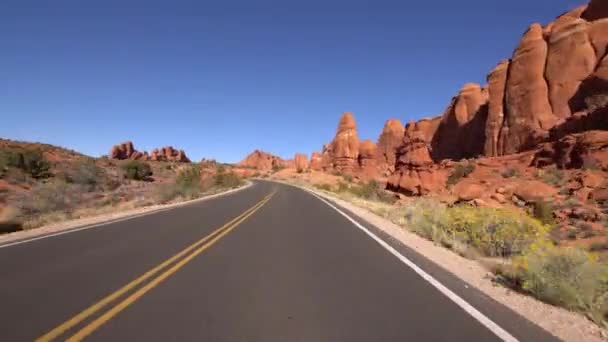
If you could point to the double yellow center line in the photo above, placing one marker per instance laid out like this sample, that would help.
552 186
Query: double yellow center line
178 260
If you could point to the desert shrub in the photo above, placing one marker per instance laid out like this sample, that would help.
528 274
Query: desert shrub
371 191
86 173
323 186
137 170
31 162
49 197
188 185
590 164
347 178
568 277
227 179
553 176
277 168
493 232
300 170
543 211
510 173
461 170
342 187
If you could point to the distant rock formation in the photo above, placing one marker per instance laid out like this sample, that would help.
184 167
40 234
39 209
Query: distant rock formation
262 161
301 162
126 150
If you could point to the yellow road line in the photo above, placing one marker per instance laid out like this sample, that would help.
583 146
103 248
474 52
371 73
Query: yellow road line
57 331
108 315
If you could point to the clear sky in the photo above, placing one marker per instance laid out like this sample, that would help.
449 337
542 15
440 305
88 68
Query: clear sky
221 78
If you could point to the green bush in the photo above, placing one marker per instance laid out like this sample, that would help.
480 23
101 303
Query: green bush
543 211
300 170
552 176
187 185
348 178
227 180
137 170
568 277
31 162
277 168
461 170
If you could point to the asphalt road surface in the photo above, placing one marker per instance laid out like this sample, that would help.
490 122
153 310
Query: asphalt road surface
268 263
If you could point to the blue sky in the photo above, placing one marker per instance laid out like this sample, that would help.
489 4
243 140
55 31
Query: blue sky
221 78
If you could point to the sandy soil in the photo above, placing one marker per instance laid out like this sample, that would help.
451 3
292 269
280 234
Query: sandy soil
566 325
120 214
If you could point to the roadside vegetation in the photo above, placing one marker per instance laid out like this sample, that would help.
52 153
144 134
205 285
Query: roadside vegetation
38 191
514 244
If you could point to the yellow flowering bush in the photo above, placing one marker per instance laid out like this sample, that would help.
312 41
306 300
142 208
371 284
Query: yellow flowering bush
493 232
565 276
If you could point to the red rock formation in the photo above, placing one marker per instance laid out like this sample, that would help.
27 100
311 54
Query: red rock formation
122 151
570 60
168 153
389 141
575 150
316 161
301 162
345 146
497 81
262 161
527 102
127 151
367 160
462 129
554 88
415 173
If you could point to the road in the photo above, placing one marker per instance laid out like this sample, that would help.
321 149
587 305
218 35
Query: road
267 263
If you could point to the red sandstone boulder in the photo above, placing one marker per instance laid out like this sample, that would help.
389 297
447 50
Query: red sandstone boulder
367 163
534 191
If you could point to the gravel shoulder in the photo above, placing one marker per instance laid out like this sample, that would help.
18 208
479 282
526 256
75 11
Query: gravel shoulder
96 220
564 324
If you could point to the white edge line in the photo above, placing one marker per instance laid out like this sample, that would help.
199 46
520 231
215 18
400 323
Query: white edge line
120 219
483 319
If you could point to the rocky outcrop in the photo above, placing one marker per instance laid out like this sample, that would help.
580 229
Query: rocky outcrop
368 168
301 162
575 151
168 153
262 161
345 146
389 141
415 171
126 150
